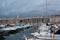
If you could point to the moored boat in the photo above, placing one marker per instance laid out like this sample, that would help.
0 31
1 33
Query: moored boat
45 32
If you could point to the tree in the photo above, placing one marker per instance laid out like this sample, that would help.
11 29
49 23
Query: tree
21 21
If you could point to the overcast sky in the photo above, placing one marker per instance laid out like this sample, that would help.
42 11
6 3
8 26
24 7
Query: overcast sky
23 8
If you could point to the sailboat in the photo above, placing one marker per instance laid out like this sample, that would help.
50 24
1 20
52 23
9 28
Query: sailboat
46 33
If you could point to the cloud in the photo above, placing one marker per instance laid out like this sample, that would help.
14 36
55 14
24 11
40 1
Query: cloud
26 7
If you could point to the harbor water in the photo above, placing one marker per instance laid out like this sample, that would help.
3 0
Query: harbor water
19 35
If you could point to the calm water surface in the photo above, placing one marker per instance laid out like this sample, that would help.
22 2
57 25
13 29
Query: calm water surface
20 34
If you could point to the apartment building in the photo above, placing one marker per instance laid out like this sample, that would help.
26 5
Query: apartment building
55 19
25 20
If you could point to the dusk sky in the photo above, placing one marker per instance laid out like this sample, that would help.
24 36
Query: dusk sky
22 8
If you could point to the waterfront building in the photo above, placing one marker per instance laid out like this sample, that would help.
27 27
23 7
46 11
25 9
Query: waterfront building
55 19
24 20
38 19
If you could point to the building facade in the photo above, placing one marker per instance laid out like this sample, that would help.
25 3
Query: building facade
55 19
24 20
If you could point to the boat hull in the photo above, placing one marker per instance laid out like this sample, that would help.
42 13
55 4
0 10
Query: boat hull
39 36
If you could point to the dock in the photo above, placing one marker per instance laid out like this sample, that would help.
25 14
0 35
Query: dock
37 39
34 38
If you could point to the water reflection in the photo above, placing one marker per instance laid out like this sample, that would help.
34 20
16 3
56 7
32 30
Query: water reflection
18 34
2 38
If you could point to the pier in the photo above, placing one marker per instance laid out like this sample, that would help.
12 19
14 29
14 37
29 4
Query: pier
37 39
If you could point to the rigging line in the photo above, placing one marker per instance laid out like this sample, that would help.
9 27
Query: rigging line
46 9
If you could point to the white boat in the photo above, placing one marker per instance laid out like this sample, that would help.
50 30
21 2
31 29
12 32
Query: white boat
2 25
3 32
8 28
45 33
15 27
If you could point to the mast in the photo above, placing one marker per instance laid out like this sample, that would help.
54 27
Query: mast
53 26
46 8
17 19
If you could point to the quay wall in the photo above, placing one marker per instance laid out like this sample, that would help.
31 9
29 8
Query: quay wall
24 20
53 18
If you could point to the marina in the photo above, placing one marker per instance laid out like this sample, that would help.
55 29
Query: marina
29 19
27 34
19 34
4 30
30 29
